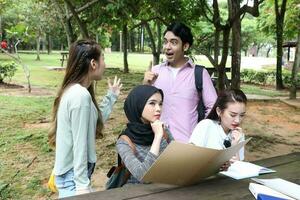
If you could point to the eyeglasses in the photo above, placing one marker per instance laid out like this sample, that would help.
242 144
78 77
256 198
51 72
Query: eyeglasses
227 143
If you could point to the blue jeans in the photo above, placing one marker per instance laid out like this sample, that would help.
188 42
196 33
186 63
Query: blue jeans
65 182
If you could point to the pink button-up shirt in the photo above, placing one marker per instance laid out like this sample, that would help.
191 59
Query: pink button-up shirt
181 98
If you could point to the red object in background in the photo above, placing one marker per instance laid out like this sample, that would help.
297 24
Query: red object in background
4 45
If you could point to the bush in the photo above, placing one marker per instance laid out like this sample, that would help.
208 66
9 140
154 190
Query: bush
266 77
7 70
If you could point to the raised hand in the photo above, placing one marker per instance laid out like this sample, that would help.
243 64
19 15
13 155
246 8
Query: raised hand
157 127
116 86
158 130
236 135
149 76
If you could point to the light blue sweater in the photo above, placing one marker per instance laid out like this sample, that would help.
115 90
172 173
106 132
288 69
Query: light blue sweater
75 135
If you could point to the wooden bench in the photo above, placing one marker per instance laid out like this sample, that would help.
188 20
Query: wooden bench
217 187
64 56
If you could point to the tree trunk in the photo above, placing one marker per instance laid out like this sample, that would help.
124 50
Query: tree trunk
226 31
125 35
159 43
268 52
155 51
132 41
279 36
64 19
221 66
49 41
142 39
82 25
295 69
258 49
236 47
121 41
1 33
216 47
38 41
139 49
71 37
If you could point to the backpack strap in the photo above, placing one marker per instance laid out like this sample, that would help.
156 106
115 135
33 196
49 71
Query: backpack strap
199 82
198 77
131 145
128 140
121 165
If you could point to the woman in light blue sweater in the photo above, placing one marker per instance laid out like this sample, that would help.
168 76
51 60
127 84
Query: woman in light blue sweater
78 119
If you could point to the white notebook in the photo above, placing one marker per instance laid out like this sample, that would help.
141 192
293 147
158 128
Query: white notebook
259 190
280 185
240 169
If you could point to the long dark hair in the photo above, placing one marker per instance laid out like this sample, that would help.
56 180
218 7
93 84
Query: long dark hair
80 55
224 98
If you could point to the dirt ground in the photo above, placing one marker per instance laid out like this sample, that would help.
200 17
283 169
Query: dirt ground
273 125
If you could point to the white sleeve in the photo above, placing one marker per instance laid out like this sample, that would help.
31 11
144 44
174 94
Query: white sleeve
80 117
199 135
106 105
242 150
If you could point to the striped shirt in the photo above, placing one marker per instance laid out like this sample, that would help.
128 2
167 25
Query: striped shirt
139 162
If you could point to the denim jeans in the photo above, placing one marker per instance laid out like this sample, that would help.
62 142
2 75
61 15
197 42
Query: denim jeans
65 182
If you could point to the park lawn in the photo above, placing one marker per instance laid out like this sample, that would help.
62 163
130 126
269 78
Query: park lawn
26 158
259 90
41 76
19 146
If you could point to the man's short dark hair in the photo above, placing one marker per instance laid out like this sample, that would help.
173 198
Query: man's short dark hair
182 31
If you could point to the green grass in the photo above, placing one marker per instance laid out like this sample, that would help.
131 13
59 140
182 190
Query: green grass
41 76
18 146
258 90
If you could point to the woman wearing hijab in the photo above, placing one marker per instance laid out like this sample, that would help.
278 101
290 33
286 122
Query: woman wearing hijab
143 109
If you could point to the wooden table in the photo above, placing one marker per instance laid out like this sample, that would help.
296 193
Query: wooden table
219 187
64 56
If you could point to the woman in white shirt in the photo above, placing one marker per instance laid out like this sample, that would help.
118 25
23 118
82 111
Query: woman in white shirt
222 126
78 119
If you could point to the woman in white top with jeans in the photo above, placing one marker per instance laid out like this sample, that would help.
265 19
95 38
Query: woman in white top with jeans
221 128
78 120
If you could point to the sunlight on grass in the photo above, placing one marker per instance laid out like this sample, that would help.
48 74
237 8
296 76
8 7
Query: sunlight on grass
257 90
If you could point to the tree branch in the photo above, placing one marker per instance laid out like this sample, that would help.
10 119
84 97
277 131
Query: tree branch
246 9
82 26
204 4
151 37
147 20
86 6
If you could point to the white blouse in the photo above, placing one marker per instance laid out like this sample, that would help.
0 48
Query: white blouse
209 133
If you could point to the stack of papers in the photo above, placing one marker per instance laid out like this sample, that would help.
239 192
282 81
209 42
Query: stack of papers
239 170
276 188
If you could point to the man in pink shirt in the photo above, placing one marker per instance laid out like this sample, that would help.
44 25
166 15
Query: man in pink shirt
177 80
